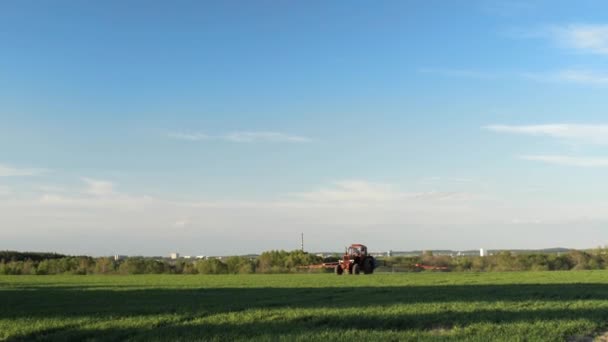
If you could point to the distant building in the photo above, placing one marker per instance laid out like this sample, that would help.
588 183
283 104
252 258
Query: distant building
187 257
389 253
118 257
174 255
201 257
482 253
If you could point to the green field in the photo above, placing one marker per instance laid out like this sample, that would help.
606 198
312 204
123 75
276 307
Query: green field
550 306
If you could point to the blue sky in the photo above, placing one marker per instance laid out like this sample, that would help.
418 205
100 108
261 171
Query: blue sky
230 127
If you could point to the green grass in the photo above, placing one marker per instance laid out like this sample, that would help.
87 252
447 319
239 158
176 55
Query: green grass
530 306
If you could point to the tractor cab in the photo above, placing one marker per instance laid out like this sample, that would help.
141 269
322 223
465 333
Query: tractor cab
357 250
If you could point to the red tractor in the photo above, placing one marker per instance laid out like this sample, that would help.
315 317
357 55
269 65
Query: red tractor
356 260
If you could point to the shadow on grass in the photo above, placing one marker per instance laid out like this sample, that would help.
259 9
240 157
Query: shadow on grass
191 304
75 301
313 326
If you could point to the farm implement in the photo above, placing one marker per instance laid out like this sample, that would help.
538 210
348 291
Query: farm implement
354 261
420 267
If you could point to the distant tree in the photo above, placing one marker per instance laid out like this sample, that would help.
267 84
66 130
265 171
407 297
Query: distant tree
189 268
44 267
283 261
480 263
33 256
580 260
133 266
28 267
155 266
461 264
104 265
237 264
247 267
211 266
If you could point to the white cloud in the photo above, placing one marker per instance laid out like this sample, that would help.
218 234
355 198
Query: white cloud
98 187
335 214
507 8
572 75
577 133
351 202
181 223
9 171
569 160
351 190
526 221
462 73
436 179
51 188
188 136
247 137
243 137
5 191
578 76
589 38
590 134
363 192
584 38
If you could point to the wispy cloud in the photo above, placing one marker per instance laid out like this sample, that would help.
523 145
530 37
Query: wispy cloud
580 76
4 190
589 38
243 137
9 171
248 137
98 187
436 179
572 75
578 37
366 208
359 191
584 134
590 134
569 160
461 73
352 190
507 8
188 136
181 223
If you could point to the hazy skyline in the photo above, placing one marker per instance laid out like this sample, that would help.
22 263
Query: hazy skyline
231 127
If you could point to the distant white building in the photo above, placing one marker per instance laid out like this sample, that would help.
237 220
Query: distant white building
174 255
482 253
118 257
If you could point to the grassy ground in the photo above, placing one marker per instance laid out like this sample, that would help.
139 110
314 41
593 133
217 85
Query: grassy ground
543 306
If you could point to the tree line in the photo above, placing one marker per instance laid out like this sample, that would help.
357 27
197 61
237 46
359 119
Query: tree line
507 261
15 263
34 256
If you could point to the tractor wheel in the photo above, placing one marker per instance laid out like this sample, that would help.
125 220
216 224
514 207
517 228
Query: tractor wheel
356 269
368 265
339 270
